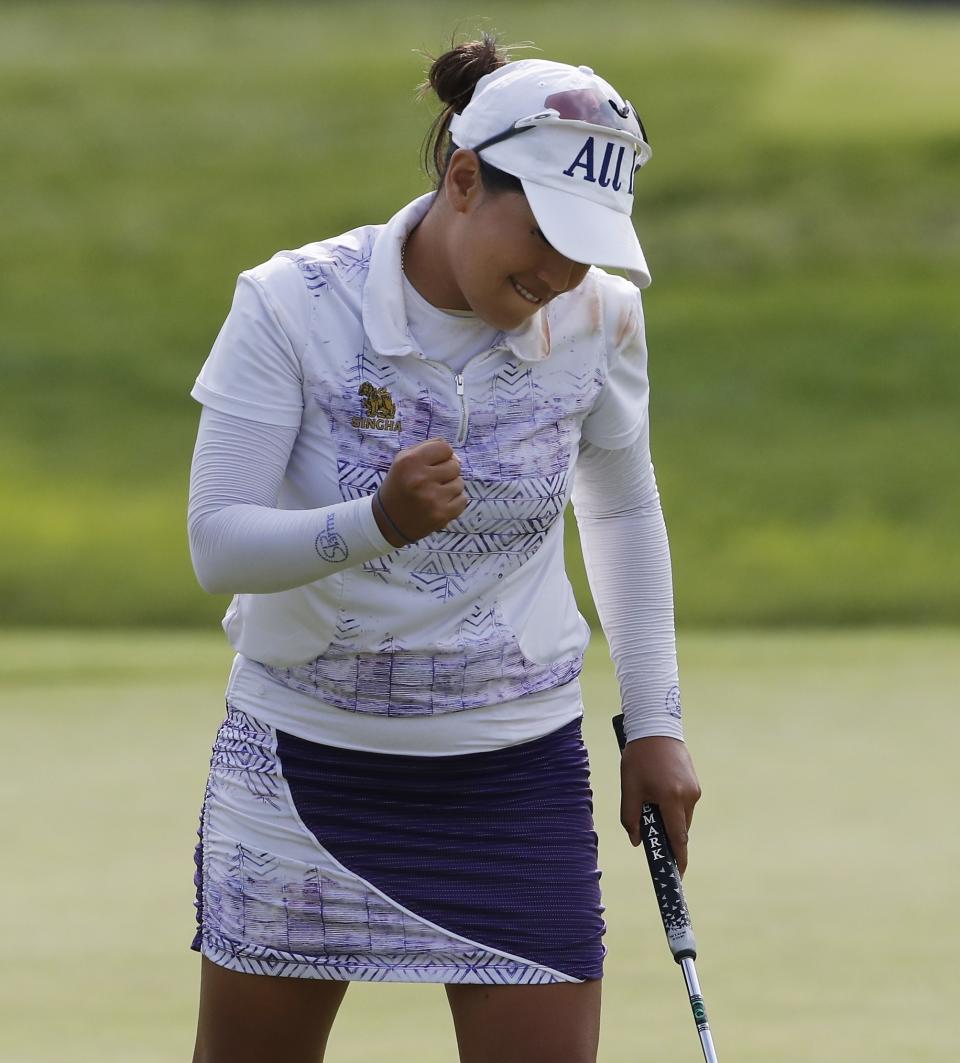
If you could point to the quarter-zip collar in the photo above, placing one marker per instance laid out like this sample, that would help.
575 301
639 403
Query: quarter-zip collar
384 310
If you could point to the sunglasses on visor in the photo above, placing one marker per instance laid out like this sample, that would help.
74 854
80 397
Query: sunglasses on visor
581 108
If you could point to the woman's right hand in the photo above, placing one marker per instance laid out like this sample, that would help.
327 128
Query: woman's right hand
421 493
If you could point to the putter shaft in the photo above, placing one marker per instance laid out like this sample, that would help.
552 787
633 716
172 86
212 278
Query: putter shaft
699 1009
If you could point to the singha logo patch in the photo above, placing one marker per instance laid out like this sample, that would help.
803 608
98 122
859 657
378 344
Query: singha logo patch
379 409
376 401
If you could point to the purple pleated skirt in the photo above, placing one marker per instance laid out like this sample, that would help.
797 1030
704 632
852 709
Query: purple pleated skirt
321 862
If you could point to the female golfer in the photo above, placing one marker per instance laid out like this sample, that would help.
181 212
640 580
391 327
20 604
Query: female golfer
393 422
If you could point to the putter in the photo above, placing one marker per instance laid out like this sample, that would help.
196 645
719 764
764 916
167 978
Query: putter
673 907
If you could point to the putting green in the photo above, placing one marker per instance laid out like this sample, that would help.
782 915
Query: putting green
822 877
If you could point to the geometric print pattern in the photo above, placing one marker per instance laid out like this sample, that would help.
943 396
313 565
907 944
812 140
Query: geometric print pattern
482 664
241 751
335 928
341 262
274 901
521 430
476 967
515 427
503 526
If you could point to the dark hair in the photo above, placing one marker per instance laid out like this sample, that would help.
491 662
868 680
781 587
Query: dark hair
453 76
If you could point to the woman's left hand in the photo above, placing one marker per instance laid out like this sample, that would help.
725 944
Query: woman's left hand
659 770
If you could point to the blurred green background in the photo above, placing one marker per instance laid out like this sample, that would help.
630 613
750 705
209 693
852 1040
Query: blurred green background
801 215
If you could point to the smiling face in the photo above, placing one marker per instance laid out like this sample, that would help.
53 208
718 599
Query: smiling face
500 264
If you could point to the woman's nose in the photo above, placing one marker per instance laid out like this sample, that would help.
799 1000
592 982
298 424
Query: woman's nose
556 272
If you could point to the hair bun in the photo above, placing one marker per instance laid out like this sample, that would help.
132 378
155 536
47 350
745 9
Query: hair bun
454 75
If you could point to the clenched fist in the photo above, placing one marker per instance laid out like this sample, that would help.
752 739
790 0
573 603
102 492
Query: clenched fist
420 494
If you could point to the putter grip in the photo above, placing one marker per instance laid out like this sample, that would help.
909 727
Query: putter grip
663 871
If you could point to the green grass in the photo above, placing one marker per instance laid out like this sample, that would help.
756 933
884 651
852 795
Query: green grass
822 875
800 214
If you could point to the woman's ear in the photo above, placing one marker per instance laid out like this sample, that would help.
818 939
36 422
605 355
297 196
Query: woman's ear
463 184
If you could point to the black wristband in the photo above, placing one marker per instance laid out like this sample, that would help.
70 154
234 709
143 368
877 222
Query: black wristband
389 519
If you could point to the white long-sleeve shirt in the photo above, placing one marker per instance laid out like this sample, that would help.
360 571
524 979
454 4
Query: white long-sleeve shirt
301 397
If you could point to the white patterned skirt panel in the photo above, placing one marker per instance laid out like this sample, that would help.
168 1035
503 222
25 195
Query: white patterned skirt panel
273 900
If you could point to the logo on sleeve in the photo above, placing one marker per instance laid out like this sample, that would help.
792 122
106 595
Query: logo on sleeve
379 409
673 701
330 544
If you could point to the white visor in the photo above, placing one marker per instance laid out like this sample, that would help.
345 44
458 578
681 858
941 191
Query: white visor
588 232
574 145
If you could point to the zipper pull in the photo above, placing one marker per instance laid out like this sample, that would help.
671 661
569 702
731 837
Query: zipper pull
459 380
